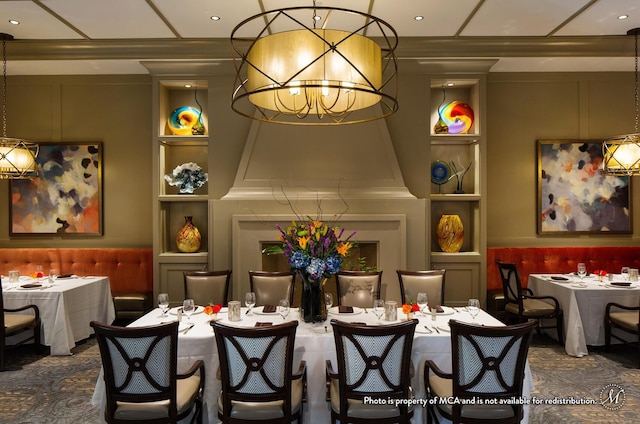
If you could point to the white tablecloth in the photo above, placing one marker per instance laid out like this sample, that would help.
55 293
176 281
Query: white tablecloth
313 345
66 308
583 304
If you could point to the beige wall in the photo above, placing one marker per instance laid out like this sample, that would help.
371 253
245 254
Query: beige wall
115 110
523 108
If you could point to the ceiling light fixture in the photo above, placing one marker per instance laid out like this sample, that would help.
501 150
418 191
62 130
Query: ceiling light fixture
14 22
17 156
622 153
292 73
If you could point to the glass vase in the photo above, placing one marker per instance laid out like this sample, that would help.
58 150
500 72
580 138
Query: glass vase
312 307
188 239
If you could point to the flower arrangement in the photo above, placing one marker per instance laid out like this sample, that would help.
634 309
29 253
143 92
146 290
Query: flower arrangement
410 307
314 250
187 177
313 247
212 309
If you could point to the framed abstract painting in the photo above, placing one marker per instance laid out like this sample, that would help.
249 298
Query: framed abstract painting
574 196
66 196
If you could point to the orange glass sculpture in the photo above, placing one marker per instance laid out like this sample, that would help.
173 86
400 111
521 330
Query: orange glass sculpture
457 116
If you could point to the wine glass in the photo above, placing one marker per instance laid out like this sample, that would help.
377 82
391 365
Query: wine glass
421 300
378 308
582 270
625 272
53 275
283 308
473 307
188 308
163 303
250 301
328 300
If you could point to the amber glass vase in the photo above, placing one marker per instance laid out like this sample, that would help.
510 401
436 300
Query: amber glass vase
188 239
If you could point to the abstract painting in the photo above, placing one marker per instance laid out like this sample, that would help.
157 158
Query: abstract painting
574 196
66 196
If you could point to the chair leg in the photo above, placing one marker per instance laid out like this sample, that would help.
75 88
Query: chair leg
560 327
607 336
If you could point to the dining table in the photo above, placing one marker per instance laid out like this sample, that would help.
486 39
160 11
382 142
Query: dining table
314 344
67 306
583 302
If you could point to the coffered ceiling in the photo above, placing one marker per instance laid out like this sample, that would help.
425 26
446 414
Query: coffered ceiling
113 36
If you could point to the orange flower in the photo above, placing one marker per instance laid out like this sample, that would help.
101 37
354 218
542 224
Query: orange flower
406 308
343 248
212 309
302 241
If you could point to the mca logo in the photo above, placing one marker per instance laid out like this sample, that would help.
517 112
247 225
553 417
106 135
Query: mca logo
612 397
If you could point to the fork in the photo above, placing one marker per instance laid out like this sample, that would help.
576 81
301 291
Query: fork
428 329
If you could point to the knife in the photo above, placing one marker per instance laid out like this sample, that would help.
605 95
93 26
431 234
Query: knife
437 331
189 328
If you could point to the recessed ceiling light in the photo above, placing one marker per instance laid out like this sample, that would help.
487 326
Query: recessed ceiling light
14 22
621 17
187 86
450 84
418 18
215 18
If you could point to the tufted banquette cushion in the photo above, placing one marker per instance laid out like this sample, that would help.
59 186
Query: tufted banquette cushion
542 260
130 271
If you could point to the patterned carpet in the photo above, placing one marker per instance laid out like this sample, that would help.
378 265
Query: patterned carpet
58 389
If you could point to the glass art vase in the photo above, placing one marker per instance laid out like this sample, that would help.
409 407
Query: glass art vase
450 233
312 307
188 239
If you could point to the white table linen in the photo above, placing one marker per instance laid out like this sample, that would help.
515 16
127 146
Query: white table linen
314 345
66 308
583 303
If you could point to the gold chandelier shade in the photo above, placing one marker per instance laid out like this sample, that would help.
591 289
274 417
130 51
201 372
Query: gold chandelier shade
622 155
297 70
297 74
17 158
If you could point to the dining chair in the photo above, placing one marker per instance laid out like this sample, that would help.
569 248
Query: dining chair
625 318
271 287
372 361
13 321
207 287
430 282
256 373
358 288
140 375
524 305
488 364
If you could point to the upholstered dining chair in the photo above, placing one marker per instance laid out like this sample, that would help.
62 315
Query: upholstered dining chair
625 318
140 375
256 372
271 287
487 363
206 287
372 361
430 282
358 288
14 321
522 303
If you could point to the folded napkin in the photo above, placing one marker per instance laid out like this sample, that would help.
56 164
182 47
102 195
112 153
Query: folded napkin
264 324
438 308
65 276
30 286
267 309
345 309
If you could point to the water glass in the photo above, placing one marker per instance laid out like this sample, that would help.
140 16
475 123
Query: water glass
328 300
250 301
582 270
421 300
633 274
53 275
283 308
234 310
188 308
14 276
378 308
474 307
163 303
625 272
391 310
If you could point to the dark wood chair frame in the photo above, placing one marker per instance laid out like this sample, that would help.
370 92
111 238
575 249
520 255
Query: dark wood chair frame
204 274
509 273
374 363
522 332
431 272
609 325
378 287
4 333
227 334
108 333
